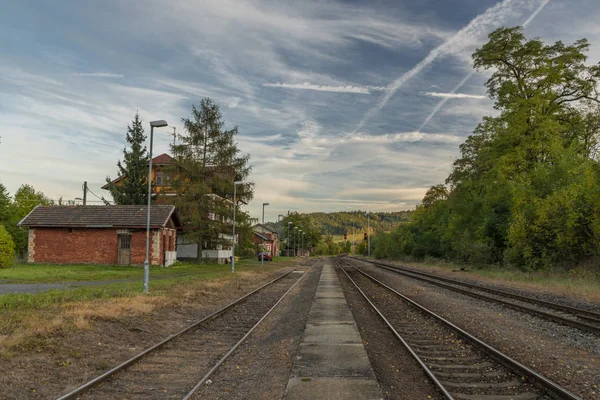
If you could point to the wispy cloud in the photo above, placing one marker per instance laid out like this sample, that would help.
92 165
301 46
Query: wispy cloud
453 92
455 95
325 88
403 137
101 74
464 38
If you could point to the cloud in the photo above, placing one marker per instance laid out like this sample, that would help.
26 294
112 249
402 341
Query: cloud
455 95
325 88
403 137
464 39
453 92
101 74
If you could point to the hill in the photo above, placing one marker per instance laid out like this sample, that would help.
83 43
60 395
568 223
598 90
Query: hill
352 222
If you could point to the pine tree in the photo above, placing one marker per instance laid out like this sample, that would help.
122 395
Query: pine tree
207 162
132 188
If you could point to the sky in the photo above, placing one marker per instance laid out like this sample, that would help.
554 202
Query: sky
342 105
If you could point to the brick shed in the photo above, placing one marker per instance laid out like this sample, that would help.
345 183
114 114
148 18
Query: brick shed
113 235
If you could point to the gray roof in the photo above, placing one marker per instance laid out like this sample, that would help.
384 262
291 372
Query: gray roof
260 235
100 216
264 227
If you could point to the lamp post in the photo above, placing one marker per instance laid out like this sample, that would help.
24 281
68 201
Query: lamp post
262 257
278 251
295 242
303 233
288 240
299 239
368 236
233 237
153 124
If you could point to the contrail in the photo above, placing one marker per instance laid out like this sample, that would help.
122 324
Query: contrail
535 13
443 101
481 24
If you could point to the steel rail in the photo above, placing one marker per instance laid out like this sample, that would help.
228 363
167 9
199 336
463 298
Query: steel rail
551 387
414 355
230 352
433 279
580 312
101 378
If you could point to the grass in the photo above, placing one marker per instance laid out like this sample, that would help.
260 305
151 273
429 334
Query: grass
168 277
26 319
581 283
52 273
357 237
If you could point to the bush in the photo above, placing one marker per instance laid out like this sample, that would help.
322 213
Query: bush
7 248
250 253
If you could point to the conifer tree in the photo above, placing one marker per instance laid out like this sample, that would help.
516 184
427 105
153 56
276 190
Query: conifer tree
132 188
207 162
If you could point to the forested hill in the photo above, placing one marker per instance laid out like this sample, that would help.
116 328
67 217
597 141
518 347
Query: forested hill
338 223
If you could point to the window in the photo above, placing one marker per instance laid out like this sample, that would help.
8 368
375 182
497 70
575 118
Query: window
161 178
124 242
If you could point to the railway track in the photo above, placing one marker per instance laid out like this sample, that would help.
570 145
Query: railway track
460 365
177 366
584 320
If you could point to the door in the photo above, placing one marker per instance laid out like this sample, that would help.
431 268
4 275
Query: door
124 250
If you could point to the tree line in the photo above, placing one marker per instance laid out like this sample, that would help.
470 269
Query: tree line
525 189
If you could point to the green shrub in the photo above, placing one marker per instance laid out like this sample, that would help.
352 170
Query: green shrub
7 248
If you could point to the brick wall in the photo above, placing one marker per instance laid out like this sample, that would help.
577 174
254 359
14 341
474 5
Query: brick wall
88 246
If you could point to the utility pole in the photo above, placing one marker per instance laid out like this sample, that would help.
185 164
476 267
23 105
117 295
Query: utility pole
174 135
84 192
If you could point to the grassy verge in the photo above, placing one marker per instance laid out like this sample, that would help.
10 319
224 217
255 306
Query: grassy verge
26 319
51 273
580 283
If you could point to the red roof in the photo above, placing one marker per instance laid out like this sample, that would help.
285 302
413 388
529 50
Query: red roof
163 159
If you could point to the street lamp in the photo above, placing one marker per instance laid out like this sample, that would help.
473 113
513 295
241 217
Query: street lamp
278 219
288 240
295 241
299 238
368 237
153 124
262 257
233 237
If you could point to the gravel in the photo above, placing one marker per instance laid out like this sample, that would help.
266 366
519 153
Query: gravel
565 355
260 368
398 374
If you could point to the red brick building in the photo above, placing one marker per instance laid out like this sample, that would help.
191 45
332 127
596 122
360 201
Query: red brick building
266 238
114 235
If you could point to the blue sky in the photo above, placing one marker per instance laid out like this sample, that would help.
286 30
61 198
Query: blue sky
341 104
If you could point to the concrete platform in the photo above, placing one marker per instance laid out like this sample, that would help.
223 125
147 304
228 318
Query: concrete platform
332 362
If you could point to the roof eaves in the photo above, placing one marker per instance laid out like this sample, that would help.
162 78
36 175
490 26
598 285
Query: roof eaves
21 221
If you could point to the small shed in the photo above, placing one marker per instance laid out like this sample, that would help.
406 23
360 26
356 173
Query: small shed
112 235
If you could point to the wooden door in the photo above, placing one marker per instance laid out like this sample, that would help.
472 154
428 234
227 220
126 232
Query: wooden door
124 250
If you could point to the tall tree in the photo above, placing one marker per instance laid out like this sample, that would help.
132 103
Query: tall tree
132 189
524 190
207 162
